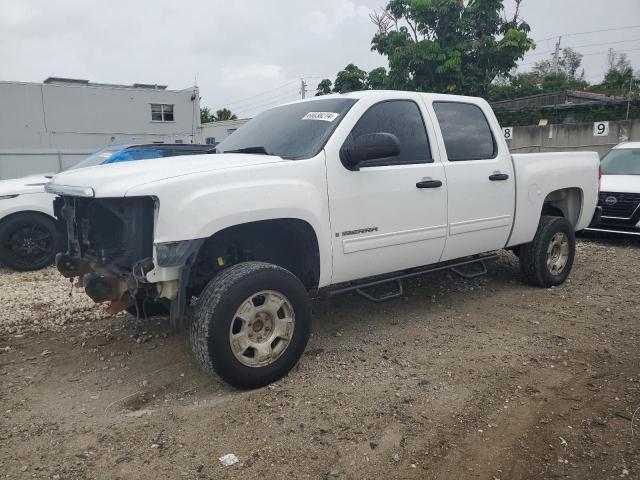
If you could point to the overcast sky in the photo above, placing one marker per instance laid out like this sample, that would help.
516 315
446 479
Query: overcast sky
250 54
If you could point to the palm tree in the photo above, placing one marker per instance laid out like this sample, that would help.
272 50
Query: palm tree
224 114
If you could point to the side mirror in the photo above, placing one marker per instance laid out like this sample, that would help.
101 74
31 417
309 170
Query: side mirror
371 146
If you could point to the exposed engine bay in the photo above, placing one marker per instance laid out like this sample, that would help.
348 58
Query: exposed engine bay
110 247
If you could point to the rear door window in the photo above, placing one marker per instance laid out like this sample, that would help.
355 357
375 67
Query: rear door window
466 131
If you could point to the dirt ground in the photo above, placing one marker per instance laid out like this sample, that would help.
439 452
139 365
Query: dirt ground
482 379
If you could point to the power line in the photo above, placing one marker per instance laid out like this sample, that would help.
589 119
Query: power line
589 54
268 99
587 33
234 102
533 54
271 101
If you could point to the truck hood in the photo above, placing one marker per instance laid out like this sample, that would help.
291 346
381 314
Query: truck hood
21 186
620 183
115 180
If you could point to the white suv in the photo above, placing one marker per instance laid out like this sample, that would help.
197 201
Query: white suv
620 191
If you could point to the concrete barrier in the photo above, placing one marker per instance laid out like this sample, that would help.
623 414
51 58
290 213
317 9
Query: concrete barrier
16 163
572 137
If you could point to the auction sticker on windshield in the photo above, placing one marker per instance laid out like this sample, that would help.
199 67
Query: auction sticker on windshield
324 116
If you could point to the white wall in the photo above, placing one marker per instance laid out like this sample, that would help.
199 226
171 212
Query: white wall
39 123
221 130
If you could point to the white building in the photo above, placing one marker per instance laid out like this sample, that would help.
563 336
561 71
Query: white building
213 133
47 126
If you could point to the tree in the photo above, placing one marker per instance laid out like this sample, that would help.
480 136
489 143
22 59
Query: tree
563 75
324 87
617 80
350 79
448 45
513 86
206 116
377 79
224 114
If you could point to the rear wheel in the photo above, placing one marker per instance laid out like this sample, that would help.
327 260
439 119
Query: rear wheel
548 259
251 324
28 241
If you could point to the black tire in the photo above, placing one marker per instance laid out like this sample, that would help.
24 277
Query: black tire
149 309
28 241
534 256
216 309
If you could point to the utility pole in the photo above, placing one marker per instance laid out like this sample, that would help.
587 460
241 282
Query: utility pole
629 95
303 88
556 57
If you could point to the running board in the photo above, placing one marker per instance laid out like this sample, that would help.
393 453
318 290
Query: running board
606 230
397 278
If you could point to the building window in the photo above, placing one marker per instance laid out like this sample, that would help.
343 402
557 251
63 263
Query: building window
178 141
161 112
210 140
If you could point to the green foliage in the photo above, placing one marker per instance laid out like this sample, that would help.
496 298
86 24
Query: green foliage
350 79
324 87
377 79
224 114
542 78
620 78
206 116
569 61
448 46
569 114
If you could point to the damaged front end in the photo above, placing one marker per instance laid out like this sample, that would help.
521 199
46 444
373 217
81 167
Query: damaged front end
110 248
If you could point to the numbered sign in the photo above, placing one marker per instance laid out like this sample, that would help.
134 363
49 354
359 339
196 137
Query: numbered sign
508 133
600 129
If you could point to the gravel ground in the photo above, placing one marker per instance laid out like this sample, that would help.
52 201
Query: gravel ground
482 379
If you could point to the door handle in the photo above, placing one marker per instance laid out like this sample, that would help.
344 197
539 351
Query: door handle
429 184
498 176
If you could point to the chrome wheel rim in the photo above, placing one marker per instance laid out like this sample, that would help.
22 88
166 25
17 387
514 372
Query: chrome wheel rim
262 328
558 253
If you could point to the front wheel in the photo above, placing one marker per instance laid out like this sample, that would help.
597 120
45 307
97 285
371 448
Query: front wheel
548 259
251 324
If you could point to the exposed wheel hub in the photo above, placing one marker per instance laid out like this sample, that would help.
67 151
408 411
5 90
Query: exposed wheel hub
558 253
262 328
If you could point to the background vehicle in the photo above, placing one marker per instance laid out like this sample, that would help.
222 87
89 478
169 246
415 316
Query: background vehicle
28 236
620 191
325 195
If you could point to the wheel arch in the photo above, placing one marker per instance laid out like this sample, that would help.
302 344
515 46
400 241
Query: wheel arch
564 202
27 212
291 243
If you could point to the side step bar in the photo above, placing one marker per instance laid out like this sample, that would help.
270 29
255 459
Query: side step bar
618 232
359 287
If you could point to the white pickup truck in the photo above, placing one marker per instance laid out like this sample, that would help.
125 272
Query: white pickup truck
325 195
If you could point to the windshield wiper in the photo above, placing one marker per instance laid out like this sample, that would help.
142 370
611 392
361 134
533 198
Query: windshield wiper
258 150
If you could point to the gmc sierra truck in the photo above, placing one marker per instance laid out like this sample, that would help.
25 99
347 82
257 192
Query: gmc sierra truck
344 192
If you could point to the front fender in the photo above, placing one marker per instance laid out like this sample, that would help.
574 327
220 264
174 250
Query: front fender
200 206
27 202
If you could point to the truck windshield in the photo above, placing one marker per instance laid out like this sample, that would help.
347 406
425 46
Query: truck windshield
622 161
296 131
